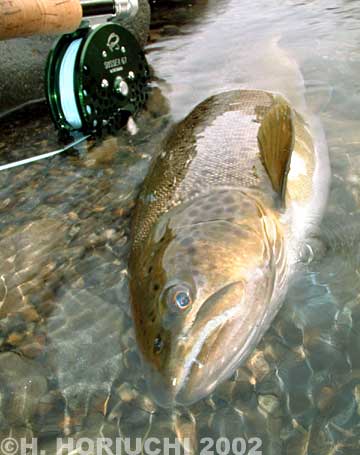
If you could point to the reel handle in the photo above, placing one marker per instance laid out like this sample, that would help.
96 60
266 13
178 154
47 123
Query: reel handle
20 18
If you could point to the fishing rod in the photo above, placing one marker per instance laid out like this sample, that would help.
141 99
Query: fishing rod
20 18
96 76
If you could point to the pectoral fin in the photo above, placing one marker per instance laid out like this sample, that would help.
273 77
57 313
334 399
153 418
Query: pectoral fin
276 140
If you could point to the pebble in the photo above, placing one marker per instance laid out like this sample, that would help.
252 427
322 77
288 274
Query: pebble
157 105
325 398
272 385
127 393
225 390
30 314
146 403
344 408
300 403
290 332
357 397
322 353
186 431
244 392
15 338
297 443
320 441
33 346
258 365
171 30
103 153
269 403
275 350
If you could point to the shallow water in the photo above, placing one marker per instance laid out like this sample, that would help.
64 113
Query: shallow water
68 360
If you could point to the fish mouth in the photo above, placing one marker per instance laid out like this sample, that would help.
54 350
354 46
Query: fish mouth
176 384
221 336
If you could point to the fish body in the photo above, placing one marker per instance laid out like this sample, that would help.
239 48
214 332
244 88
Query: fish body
223 212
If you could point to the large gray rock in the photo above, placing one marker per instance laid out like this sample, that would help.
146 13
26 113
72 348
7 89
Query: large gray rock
23 61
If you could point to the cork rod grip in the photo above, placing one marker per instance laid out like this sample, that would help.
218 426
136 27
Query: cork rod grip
20 18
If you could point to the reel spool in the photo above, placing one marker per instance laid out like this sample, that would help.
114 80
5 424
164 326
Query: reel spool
96 78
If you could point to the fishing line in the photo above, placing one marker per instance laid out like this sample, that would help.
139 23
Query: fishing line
44 155
67 85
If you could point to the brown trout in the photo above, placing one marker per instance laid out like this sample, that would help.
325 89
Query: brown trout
223 213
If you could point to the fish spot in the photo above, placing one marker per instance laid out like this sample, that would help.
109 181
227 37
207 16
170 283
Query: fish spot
229 209
156 287
214 198
150 269
216 211
193 213
158 344
208 207
187 241
228 199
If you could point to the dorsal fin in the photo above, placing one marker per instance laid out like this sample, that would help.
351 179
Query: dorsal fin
276 141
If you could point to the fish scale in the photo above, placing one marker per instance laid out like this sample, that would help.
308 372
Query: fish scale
191 163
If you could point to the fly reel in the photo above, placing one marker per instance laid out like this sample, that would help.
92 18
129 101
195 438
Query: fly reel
96 78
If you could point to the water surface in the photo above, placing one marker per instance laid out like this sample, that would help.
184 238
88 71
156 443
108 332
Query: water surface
68 360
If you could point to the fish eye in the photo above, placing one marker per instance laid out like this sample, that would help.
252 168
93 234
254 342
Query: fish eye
180 297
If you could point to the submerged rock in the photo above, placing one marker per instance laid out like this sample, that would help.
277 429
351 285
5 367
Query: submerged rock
22 385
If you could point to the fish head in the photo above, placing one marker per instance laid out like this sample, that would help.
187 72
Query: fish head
201 299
